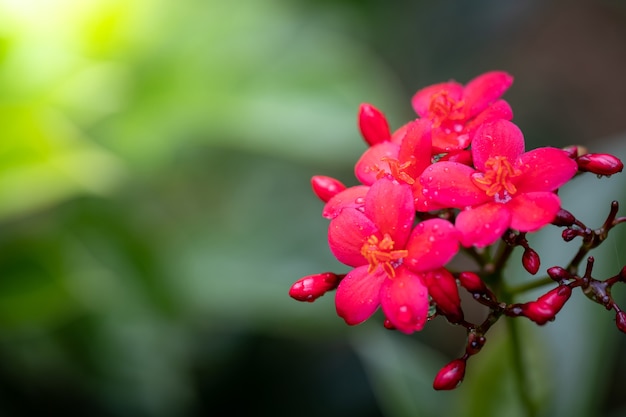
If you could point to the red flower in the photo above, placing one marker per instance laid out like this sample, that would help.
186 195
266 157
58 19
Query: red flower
508 189
456 111
389 256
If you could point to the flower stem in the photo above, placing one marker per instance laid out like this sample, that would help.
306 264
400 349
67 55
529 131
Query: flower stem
521 376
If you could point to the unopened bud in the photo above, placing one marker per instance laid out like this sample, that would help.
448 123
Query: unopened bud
325 187
620 321
450 376
558 273
472 282
443 290
475 343
311 287
564 218
548 305
599 163
569 234
373 125
531 261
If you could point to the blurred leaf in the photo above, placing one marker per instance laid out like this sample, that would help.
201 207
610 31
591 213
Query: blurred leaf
401 372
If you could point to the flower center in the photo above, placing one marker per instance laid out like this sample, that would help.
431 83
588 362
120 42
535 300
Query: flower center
380 252
497 180
444 108
397 170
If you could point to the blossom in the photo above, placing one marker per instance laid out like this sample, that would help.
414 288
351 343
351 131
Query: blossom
389 257
402 158
457 111
509 188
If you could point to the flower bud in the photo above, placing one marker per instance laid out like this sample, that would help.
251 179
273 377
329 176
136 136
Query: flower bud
475 343
531 261
312 287
443 290
450 376
325 187
620 321
599 163
472 282
569 234
558 273
548 305
564 218
373 125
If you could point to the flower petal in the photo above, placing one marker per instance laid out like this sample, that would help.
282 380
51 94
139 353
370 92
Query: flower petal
544 169
371 162
446 140
484 90
350 197
450 184
416 147
483 225
498 138
421 100
347 233
390 206
498 110
357 296
532 211
431 245
404 300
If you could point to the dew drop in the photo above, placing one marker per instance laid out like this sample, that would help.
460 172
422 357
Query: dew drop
446 169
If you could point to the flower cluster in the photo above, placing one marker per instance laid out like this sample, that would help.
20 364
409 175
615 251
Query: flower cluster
456 179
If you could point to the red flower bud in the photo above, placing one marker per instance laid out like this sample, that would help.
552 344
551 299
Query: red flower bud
450 376
564 218
531 261
472 282
312 287
326 188
475 343
599 163
444 291
620 321
548 305
569 234
373 125
557 273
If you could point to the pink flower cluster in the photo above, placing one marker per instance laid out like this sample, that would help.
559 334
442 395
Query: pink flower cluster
456 176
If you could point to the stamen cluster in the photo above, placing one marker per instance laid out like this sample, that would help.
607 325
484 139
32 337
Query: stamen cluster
456 180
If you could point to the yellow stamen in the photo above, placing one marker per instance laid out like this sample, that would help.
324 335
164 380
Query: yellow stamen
379 252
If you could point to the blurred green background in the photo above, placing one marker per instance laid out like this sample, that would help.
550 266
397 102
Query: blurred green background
155 203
